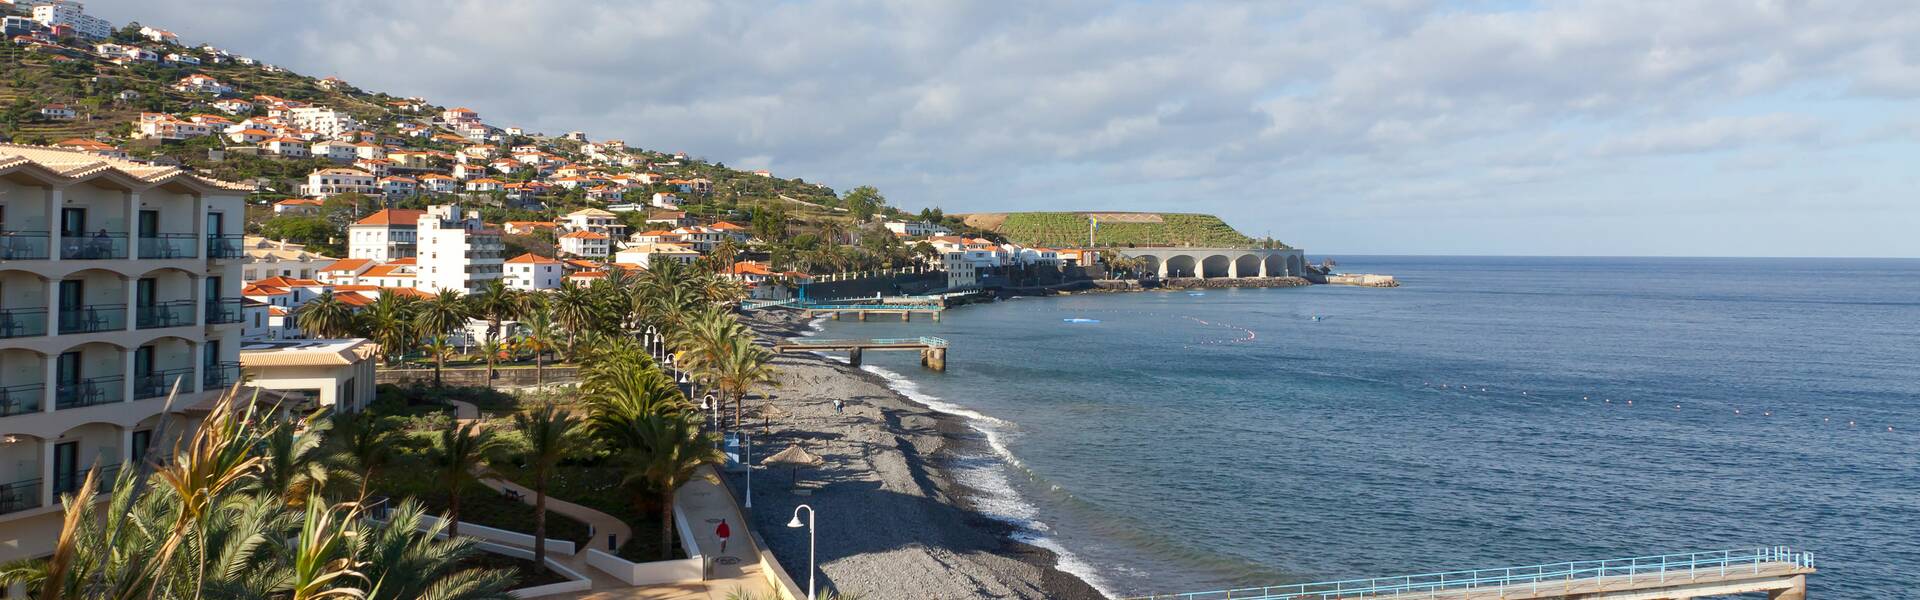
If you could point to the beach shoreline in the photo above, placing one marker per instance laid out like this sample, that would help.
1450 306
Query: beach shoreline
893 514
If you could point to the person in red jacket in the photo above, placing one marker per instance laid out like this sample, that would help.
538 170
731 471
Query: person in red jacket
723 532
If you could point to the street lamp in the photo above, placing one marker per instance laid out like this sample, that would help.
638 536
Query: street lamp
811 530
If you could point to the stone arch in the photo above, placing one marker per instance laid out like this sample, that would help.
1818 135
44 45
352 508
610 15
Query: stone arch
1149 264
1217 265
1182 265
1247 265
1276 265
1296 265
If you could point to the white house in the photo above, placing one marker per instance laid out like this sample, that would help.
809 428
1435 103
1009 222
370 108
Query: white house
327 182
586 244
646 255
201 84
399 187
594 220
457 251
534 272
916 229
336 151
58 112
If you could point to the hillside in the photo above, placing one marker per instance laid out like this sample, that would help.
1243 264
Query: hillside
1069 229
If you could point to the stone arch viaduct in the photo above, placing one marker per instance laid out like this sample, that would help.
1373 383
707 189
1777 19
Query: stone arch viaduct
1214 263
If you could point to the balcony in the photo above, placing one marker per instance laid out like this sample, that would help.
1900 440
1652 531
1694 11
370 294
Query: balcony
160 383
22 322
23 245
94 246
170 245
225 246
221 375
222 311
92 391
67 483
164 314
19 495
21 399
93 318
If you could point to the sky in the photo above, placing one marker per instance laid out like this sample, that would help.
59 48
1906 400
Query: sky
1605 127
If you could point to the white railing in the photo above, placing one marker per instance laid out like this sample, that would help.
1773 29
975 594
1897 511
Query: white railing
691 568
502 536
575 582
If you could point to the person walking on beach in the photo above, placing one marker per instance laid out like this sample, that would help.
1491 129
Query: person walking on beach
839 406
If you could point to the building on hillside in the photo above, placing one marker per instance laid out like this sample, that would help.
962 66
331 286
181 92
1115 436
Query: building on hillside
737 233
456 251
647 255
327 121
459 116
701 239
336 151
585 244
595 220
764 283
94 147
346 271
58 112
915 229
271 258
962 274
534 272
298 206
399 187
527 227
164 127
198 83
285 147
327 182
385 235
126 292
72 14
436 183
670 219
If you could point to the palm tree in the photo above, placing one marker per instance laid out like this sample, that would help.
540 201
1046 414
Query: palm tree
404 561
624 397
493 349
741 367
574 310
668 450
542 332
460 459
366 445
325 316
550 434
389 321
442 314
496 302
292 469
441 351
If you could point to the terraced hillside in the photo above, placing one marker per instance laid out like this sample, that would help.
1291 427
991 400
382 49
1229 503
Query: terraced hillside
1069 229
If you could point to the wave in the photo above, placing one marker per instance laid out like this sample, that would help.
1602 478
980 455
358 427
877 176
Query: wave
988 475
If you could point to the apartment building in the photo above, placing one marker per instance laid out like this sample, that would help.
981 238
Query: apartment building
328 122
119 283
386 235
272 258
457 251
534 272
69 13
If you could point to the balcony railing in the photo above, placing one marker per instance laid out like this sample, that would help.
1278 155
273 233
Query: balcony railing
21 399
170 245
19 495
226 310
164 314
92 318
23 245
160 383
226 246
221 375
22 322
89 392
93 246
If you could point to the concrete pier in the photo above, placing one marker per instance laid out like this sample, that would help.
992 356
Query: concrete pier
933 350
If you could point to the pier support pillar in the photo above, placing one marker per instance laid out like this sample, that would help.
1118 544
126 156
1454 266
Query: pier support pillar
936 316
836 315
853 357
934 359
863 315
1797 592
906 316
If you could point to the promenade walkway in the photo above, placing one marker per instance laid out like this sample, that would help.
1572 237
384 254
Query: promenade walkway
703 501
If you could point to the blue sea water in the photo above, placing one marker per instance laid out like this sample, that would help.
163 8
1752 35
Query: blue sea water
1491 412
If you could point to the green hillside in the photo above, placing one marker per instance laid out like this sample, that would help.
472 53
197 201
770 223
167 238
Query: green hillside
1069 229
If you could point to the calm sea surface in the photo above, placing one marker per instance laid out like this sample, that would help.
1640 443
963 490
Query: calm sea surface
1478 416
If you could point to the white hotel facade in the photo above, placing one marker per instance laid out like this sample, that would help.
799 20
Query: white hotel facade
119 282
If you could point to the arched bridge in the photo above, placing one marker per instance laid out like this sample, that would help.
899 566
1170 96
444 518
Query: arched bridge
1211 263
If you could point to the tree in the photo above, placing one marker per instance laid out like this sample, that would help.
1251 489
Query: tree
668 450
460 459
325 317
550 434
574 310
442 314
440 350
864 202
742 366
541 335
389 321
496 303
492 349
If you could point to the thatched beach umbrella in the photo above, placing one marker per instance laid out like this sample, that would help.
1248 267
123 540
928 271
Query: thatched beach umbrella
796 456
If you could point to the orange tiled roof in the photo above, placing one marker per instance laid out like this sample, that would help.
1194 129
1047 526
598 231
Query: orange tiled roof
393 216
346 264
531 258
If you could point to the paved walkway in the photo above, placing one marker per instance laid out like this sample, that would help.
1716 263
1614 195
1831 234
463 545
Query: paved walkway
705 504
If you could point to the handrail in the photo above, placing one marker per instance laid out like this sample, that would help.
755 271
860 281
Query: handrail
922 340
1663 566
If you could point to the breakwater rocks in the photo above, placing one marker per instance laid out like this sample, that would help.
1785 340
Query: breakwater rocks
1218 283
1364 280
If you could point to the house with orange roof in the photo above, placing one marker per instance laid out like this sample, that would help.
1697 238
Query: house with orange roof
665 200
233 106
399 187
527 227
161 126
385 235
94 147
485 184
764 283
586 244
459 115
378 167
586 277
369 149
736 232
198 83
327 182
344 271
670 218
250 136
654 237
534 272
647 255
285 147
390 276
298 206
702 239
336 151
438 184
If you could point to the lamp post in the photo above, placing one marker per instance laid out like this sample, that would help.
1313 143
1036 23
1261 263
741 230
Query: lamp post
811 531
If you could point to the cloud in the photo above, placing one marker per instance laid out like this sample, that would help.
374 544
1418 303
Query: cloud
1266 111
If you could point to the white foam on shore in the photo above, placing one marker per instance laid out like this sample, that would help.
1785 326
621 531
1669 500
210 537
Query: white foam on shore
998 499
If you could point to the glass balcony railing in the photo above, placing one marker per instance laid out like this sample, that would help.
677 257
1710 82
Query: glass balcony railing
22 322
21 399
93 246
164 314
226 310
23 245
88 392
93 318
226 246
160 383
170 245
19 495
221 375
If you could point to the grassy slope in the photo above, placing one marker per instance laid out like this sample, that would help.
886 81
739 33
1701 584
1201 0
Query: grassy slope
1064 229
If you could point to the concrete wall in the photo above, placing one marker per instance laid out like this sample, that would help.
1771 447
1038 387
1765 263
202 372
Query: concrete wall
576 582
897 285
503 536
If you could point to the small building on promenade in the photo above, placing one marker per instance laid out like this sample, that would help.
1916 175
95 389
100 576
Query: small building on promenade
330 373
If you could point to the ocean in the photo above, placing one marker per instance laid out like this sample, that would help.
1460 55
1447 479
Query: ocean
1491 412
